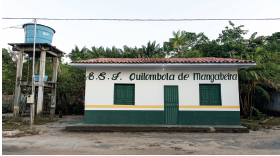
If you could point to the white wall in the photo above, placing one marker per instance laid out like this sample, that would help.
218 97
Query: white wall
151 92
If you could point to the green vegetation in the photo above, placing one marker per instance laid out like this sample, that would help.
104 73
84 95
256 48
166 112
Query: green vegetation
259 114
23 124
255 83
255 124
22 121
11 119
8 70
43 120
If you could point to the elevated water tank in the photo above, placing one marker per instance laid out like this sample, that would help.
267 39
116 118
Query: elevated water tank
44 34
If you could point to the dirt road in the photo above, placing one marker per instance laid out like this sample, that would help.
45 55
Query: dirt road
56 141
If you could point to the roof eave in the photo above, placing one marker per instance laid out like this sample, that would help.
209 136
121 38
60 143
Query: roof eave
163 65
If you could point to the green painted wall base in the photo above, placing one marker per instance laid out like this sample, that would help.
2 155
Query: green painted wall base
157 117
209 118
123 117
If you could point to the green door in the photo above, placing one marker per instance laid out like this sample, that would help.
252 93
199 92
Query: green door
171 104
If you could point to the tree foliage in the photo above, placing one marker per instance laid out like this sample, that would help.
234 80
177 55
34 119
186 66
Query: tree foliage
9 68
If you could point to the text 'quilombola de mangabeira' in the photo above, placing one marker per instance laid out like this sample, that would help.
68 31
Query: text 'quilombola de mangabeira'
166 76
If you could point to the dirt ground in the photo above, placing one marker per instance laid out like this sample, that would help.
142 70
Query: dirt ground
56 141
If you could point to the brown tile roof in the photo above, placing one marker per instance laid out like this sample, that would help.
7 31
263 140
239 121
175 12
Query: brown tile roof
161 60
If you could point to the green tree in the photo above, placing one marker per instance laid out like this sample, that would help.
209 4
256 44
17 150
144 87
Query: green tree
179 41
194 39
9 67
77 55
212 49
151 49
130 52
232 39
189 54
71 83
254 85
167 48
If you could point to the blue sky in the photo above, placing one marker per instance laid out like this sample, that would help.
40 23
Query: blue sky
116 33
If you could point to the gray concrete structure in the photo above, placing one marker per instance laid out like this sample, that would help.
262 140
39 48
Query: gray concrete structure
156 128
42 51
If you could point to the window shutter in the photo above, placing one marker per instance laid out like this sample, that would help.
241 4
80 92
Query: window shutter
204 95
210 94
124 94
129 95
119 94
215 93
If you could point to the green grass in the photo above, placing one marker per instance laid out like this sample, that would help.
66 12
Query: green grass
11 119
10 127
255 125
43 120
21 124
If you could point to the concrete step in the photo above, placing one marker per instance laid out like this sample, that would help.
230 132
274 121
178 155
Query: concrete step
156 128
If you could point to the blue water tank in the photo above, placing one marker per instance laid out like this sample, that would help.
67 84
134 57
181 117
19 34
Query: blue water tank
44 34
37 77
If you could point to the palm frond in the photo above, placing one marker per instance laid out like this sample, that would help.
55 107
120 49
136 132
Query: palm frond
253 35
254 76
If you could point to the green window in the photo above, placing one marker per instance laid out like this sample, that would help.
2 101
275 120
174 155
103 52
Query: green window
124 94
210 94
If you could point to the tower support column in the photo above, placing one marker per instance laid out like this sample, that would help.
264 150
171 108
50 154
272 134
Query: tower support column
17 85
54 80
41 82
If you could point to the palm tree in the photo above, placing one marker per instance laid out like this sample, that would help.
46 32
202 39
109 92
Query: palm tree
98 52
127 51
94 51
253 84
167 48
108 53
134 52
116 53
179 41
140 53
76 54
151 49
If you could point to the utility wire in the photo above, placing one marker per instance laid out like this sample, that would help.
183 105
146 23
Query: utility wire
92 19
16 26
139 20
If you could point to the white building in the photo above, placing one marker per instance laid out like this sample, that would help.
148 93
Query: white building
186 91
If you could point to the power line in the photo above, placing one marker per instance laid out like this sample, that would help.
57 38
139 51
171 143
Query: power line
16 26
163 20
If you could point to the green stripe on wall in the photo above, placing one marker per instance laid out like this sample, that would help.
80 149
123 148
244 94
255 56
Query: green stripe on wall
209 118
123 117
157 117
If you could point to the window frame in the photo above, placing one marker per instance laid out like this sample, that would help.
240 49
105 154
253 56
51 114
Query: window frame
114 102
220 94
